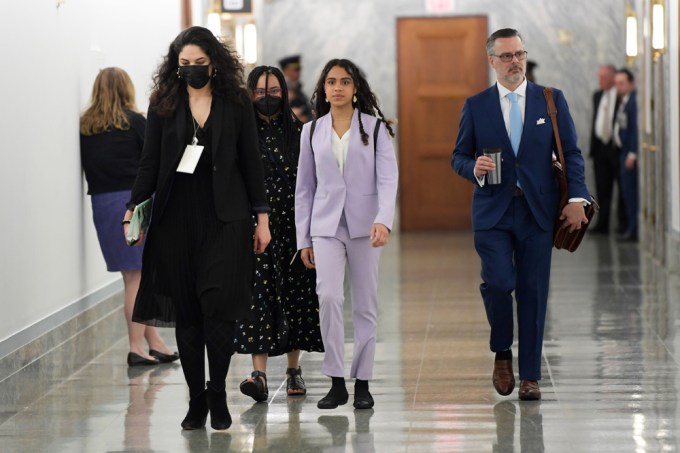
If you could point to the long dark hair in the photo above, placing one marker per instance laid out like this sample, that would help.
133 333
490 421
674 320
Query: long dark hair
366 102
291 124
227 80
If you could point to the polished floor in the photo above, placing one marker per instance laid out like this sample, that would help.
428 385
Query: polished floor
611 373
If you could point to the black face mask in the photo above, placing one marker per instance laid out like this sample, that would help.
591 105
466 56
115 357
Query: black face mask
196 76
268 105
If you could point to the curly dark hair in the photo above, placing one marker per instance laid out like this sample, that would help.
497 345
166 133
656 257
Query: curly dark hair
291 124
227 77
366 102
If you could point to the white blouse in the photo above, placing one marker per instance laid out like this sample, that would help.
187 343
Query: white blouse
340 147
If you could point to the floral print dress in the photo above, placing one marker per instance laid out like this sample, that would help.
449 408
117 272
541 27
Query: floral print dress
285 308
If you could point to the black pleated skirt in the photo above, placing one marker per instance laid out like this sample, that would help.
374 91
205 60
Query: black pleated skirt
194 264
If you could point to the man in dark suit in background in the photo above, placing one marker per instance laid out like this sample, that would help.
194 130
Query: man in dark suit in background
603 152
626 142
513 221
291 68
531 66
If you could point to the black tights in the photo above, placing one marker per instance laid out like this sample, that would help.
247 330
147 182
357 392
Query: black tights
194 336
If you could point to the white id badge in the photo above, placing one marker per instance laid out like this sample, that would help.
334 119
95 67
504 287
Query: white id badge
192 153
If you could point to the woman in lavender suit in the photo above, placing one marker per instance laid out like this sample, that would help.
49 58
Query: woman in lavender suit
344 207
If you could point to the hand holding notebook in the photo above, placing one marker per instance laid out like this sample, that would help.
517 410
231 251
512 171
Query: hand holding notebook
139 222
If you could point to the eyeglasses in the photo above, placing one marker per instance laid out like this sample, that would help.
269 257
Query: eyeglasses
259 92
507 57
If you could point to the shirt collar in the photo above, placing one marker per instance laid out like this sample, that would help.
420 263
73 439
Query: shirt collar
520 90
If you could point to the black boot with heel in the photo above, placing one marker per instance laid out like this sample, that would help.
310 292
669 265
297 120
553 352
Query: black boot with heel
220 418
198 412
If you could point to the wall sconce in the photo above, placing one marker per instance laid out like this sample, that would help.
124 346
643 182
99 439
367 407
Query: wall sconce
214 24
250 43
214 21
658 29
631 35
246 42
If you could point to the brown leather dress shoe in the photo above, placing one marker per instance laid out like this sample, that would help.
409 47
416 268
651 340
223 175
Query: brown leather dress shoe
503 377
529 390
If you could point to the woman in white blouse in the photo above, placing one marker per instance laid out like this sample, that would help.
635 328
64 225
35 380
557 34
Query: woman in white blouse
344 208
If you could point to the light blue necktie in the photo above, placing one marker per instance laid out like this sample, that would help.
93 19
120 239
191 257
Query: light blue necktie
515 122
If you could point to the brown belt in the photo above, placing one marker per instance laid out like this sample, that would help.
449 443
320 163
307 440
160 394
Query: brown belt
518 192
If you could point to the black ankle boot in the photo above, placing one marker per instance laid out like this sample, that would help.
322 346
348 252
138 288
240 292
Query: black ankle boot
362 397
198 412
220 418
337 396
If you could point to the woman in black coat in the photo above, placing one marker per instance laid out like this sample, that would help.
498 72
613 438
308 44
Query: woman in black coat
201 161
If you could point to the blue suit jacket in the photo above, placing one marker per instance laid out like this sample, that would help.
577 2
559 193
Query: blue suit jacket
628 128
482 126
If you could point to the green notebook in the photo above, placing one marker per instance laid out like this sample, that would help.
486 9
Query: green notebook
139 221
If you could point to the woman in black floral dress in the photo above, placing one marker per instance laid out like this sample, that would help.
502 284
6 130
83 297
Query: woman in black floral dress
285 308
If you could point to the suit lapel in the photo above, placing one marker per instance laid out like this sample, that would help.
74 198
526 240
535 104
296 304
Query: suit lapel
598 98
327 158
180 125
531 112
217 112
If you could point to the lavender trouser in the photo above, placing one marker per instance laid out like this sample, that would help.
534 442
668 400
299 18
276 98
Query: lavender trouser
331 254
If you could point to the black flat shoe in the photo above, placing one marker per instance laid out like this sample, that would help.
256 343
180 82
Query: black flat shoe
164 358
333 400
134 359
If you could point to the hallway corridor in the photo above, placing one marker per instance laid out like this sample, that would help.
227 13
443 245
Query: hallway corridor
610 373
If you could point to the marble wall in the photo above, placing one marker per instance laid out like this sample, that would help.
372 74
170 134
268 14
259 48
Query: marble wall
569 39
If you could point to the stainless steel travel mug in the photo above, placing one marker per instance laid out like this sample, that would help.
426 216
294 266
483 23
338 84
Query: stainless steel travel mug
494 177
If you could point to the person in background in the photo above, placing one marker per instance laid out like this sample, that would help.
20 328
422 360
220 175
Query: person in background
626 141
513 221
285 307
201 163
111 141
291 68
531 65
603 151
344 209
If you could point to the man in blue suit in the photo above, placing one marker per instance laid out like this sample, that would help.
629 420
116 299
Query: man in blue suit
626 142
513 221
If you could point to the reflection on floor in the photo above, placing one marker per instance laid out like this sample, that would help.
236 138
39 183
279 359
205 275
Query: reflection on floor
610 373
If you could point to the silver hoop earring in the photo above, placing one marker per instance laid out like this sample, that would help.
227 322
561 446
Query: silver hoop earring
354 99
327 100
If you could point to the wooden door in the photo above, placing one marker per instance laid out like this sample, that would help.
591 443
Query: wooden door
441 62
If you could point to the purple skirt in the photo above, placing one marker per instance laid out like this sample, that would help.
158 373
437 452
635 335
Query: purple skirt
108 210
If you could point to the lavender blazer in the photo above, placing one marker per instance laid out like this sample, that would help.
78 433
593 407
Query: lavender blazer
366 192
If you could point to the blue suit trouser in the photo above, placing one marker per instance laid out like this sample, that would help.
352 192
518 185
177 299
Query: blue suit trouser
516 256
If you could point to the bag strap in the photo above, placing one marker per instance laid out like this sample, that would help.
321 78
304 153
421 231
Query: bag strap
552 113
311 133
375 135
